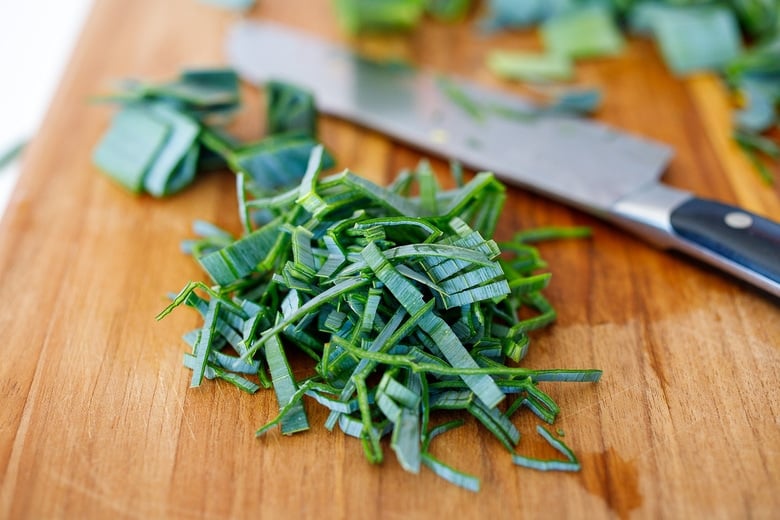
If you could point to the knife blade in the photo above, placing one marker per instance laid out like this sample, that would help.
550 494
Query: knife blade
589 165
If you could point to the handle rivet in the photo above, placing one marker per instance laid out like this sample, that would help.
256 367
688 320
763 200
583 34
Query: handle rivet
738 220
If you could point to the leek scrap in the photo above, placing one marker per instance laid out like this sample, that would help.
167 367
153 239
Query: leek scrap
165 133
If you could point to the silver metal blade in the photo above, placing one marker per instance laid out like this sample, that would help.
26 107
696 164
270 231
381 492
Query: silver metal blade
583 163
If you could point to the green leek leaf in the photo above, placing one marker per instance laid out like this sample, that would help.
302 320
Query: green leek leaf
241 257
357 16
406 440
276 162
175 154
531 67
697 37
290 109
582 33
450 474
130 147
284 386
759 113
201 89
514 14
203 345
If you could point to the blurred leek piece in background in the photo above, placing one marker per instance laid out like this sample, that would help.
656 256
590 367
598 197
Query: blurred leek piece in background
529 66
365 16
515 15
10 154
739 39
233 5
699 37
359 16
582 32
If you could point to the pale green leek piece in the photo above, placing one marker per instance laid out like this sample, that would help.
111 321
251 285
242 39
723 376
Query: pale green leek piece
164 134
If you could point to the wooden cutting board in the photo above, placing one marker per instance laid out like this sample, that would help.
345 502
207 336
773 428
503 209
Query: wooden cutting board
97 420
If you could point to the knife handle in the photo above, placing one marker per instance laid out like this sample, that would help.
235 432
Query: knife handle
737 235
730 238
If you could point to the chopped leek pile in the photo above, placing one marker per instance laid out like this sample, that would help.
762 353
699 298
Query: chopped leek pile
390 307
164 134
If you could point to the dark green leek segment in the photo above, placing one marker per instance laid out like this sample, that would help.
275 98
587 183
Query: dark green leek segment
166 133
402 305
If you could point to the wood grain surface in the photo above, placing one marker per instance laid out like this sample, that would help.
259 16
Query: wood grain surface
97 420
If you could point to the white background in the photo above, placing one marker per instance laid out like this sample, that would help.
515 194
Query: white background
36 40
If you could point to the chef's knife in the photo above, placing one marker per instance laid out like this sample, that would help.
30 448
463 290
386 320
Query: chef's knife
591 166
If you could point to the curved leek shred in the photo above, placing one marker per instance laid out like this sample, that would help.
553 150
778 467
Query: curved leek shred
236 380
450 474
570 464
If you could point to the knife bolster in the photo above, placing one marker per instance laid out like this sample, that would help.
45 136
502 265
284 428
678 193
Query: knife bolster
647 213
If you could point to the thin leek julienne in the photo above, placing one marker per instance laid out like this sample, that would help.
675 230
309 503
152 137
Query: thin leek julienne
404 306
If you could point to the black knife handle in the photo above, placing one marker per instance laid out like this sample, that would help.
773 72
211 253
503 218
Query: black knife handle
737 235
